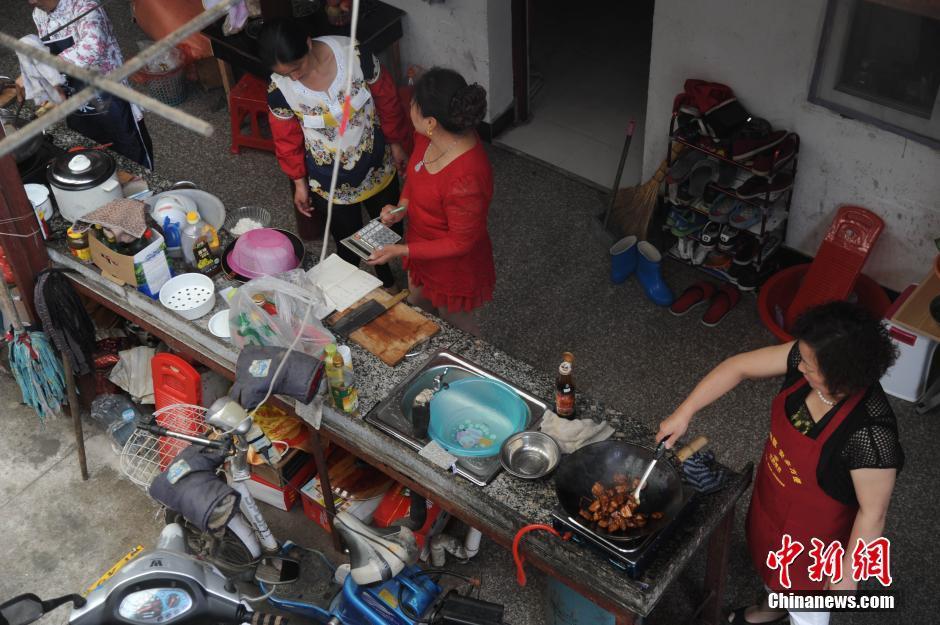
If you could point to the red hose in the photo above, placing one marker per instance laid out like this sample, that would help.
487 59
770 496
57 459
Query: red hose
518 557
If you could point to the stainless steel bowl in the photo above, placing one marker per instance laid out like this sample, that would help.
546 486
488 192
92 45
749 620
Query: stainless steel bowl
529 455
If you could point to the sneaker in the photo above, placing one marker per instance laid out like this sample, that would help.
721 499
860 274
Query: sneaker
761 187
746 277
746 251
703 172
770 161
721 209
727 238
680 170
699 254
710 234
684 248
744 148
717 260
684 228
743 216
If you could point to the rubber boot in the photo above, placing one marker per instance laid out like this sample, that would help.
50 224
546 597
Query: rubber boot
650 276
622 259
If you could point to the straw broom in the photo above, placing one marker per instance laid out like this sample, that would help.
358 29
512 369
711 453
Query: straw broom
634 206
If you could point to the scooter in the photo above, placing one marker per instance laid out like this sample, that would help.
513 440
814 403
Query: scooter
169 586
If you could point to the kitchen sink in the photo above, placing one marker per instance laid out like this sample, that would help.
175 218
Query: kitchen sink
393 414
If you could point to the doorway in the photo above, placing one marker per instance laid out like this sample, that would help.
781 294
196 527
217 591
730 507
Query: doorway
581 72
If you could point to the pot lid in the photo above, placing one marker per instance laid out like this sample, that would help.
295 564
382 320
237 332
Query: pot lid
83 170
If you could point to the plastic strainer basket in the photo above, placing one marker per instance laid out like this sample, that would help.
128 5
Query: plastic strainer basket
146 455
190 295
167 87
474 404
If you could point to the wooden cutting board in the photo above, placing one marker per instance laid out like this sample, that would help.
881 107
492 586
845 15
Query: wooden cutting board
393 334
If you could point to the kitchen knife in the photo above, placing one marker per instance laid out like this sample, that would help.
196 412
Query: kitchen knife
365 313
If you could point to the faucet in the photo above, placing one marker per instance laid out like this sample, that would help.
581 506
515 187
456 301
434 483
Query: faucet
439 383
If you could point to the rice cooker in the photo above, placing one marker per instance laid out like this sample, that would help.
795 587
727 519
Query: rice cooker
83 182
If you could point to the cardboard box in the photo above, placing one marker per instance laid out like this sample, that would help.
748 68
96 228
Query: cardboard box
315 508
148 270
278 486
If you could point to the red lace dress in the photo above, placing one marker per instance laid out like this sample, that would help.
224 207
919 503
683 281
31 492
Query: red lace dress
450 254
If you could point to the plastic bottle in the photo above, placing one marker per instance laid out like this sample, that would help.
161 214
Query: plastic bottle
564 388
121 429
340 378
197 232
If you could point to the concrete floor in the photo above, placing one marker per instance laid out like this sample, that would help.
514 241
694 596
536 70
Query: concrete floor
552 295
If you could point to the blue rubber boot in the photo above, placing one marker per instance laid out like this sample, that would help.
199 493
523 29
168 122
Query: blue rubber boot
650 276
622 259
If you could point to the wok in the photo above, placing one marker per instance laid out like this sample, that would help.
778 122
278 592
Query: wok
598 462
24 152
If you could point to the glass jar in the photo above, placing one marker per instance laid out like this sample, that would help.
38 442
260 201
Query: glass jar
78 245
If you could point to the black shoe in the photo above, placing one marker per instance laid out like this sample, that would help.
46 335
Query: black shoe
737 618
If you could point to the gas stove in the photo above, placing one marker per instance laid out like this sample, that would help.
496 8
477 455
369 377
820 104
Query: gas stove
390 415
632 556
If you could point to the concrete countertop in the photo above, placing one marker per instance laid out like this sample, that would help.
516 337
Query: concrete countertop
501 507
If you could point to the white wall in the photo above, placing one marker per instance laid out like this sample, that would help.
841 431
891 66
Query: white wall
765 50
470 36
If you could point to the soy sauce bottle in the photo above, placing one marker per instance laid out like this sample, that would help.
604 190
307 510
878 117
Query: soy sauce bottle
564 388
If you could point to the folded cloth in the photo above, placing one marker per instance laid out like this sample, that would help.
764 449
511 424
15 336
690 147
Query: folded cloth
256 365
39 80
703 473
125 217
572 434
192 487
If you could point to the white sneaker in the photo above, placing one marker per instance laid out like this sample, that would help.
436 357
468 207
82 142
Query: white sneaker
699 254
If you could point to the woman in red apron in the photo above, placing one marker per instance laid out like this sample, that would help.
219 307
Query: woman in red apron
831 456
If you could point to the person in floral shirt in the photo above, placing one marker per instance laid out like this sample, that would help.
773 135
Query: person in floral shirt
305 99
89 43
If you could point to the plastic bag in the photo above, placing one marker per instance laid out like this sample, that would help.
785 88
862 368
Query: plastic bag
276 318
162 63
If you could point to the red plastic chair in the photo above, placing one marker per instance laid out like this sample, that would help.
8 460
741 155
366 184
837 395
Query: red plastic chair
249 98
839 260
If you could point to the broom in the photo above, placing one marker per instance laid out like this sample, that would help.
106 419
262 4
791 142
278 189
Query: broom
634 206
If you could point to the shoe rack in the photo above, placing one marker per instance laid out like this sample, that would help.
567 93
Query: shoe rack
774 211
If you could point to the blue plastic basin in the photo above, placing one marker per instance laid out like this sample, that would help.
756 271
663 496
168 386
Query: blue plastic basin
477 403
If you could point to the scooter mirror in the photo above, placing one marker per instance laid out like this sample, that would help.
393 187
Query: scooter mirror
275 570
22 610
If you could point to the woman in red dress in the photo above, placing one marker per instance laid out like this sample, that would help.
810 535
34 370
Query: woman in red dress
447 249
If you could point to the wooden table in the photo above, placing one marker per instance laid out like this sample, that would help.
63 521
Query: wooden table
380 29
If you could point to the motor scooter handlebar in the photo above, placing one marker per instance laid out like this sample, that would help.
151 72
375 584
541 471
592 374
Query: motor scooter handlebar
223 444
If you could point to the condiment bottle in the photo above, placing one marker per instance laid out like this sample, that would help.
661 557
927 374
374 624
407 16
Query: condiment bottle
564 388
78 245
345 396
198 234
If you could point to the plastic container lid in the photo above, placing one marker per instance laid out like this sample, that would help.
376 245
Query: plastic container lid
192 217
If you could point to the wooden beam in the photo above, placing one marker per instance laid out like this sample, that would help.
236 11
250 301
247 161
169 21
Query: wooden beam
20 236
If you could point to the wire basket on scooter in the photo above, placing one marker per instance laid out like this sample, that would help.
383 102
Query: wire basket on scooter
146 455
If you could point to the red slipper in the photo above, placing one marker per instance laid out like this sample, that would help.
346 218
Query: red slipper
698 293
725 299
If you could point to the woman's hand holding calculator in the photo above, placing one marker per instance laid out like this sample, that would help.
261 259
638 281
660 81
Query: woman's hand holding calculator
386 253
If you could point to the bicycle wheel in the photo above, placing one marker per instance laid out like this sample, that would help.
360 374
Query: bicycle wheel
222 548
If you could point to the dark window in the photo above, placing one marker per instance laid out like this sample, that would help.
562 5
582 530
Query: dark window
892 58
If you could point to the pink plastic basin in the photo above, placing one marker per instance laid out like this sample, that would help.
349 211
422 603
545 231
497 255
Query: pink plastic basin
262 252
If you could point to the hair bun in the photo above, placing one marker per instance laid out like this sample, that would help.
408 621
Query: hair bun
468 106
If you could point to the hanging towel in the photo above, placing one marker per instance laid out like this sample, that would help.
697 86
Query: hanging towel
39 80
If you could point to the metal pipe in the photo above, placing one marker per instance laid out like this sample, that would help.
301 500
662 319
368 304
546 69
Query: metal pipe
95 79
60 112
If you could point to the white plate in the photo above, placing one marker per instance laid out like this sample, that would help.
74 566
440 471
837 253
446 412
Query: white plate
218 324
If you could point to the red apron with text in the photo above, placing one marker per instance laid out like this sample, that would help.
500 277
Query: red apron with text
787 499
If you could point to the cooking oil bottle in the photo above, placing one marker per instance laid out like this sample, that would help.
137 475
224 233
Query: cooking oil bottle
340 378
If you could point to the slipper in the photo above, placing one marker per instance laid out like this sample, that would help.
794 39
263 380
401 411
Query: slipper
698 293
722 303
737 618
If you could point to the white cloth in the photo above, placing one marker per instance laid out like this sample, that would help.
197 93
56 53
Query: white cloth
39 80
133 373
572 434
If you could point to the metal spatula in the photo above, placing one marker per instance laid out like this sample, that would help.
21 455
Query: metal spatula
657 454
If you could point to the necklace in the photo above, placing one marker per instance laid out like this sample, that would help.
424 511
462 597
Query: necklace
424 160
823 399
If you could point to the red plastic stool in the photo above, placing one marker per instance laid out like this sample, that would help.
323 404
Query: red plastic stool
839 260
249 98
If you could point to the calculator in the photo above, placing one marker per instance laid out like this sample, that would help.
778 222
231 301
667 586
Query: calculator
373 235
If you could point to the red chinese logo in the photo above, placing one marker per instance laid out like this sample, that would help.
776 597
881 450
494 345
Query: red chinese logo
827 560
872 561
784 557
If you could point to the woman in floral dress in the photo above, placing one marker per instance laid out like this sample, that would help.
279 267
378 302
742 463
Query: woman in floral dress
305 98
